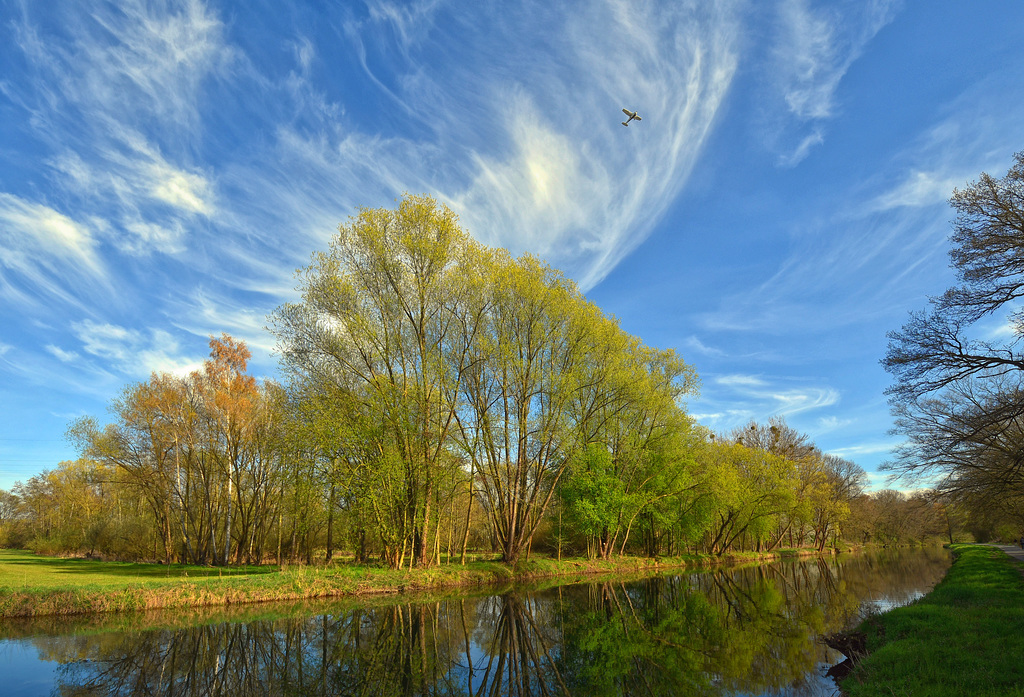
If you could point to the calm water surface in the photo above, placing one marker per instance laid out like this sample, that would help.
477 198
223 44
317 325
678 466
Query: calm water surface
750 631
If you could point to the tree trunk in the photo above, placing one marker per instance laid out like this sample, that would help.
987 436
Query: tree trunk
469 517
330 524
227 525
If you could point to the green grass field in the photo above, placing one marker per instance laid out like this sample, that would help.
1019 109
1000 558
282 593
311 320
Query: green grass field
25 570
966 637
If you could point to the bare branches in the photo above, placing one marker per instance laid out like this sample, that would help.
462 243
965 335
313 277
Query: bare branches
956 397
934 349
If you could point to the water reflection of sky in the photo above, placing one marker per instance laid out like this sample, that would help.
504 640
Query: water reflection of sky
884 603
24 673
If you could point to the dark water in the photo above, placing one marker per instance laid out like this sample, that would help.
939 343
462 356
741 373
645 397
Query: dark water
749 631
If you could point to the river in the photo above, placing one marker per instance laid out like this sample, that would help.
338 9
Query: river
748 631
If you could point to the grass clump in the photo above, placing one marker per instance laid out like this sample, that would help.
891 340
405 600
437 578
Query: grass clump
966 637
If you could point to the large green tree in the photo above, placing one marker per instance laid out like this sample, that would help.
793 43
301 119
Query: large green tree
460 362
382 320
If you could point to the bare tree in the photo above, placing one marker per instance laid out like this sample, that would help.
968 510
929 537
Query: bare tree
956 395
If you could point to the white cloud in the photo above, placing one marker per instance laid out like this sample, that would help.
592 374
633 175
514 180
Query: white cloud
147 237
133 352
799 400
869 448
700 347
128 170
1003 329
802 150
47 253
411 20
879 481
808 61
918 189
62 355
135 59
206 314
832 423
107 340
183 190
534 191
131 171
741 381
534 158
110 98
734 400
31 227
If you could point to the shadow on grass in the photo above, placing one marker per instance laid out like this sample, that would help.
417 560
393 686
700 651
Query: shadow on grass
57 566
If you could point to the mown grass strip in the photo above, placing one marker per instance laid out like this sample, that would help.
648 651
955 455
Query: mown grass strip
33 586
966 637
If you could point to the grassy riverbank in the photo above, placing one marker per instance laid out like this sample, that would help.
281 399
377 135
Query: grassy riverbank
32 586
966 637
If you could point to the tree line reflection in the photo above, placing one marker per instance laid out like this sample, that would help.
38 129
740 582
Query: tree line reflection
751 630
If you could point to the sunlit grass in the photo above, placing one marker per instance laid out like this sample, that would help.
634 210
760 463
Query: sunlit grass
21 569
964 638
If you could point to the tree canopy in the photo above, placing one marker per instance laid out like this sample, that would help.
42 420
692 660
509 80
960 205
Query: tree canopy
460 360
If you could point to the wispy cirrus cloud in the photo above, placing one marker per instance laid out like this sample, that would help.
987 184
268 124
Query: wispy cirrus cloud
134 352
882 236
815 47
147 199
111 101
135 60
918 189
44 228
569 182
46 253
695 344
209 314
831 423
747 381
518 131
868 448
525 119
62 355
758 397
530 107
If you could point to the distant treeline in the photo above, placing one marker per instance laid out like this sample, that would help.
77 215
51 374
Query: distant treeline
439 396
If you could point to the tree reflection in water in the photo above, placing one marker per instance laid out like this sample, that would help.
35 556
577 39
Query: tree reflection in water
751 631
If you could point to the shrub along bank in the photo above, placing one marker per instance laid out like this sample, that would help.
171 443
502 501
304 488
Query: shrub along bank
966 637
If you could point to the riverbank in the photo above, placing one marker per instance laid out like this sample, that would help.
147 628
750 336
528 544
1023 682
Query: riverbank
33 586
966 637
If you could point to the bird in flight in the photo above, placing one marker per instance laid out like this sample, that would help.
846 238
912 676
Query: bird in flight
632 115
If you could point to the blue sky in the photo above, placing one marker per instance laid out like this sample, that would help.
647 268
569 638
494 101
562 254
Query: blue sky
166 166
